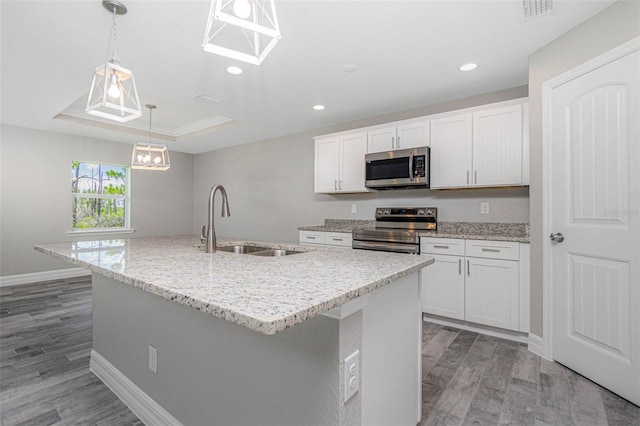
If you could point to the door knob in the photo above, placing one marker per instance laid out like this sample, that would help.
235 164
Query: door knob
557 237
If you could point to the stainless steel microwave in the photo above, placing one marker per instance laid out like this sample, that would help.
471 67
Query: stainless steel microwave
403 168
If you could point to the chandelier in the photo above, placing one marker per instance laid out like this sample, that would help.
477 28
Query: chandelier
150 156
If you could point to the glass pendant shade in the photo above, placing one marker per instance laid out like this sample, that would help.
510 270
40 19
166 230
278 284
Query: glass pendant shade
113 93
246 30
150 156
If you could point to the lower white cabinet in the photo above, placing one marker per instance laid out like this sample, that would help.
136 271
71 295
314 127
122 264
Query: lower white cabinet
476 281
491 292
338 239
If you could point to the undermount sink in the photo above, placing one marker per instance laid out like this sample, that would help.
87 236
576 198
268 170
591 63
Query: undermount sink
257 250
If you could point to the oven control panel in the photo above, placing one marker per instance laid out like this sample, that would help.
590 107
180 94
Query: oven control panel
406 212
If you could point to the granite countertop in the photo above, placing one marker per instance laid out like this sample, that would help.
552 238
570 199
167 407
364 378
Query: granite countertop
518 232
265 294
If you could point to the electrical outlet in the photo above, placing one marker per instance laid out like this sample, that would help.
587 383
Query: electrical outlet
484 208
153 359
354 208
351 375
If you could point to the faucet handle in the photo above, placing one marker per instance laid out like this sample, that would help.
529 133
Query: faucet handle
203 234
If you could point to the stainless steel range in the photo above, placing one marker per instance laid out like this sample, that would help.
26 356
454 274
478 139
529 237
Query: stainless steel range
397 229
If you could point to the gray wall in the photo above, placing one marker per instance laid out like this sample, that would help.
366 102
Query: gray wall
35 201
610 28
270 185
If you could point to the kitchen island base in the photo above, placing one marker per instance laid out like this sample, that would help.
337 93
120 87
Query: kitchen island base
213 372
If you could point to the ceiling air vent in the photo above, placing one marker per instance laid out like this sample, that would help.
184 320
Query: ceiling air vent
534 8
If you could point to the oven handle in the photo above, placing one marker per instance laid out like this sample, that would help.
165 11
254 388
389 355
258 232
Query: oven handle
398 248
411 166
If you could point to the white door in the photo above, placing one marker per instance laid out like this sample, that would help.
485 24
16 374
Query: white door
497 146
352 151
491 292
443 287
413 135
595 181
327 159
381 140
451 151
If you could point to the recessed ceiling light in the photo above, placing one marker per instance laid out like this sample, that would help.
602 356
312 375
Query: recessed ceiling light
468 67
349 68
234 70
318 107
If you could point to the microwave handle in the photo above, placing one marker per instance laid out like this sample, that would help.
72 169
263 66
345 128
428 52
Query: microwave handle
411 166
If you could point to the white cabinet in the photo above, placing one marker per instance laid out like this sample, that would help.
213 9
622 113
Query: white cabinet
402 136
479 149
451 151
443 281
497 146
339 163
338 239
477 281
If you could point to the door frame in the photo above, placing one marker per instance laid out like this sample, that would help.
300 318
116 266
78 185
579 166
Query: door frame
547 207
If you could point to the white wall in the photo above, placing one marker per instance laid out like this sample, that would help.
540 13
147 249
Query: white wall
608 29
35 201
270 185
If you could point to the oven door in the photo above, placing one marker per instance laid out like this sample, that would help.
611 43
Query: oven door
403 168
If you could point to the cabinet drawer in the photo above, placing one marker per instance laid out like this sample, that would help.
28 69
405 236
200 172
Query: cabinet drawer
506 250
337 239
311 237
450 246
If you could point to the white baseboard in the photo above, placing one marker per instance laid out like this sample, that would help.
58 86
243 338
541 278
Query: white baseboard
536 345
35 277
147 410
516 336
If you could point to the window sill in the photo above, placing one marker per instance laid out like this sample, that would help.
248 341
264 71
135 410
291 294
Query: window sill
90 232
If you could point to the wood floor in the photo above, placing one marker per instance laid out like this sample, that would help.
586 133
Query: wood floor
45 342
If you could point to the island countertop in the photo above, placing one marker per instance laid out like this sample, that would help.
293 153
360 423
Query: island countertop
265 294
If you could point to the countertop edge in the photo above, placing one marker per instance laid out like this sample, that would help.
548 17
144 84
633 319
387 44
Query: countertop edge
254 323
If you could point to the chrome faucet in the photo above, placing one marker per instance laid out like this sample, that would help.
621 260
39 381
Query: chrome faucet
208 232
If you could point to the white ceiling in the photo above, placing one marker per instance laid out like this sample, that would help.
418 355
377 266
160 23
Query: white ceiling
407 55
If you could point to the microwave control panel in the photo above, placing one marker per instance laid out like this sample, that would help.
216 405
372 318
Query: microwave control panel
418 166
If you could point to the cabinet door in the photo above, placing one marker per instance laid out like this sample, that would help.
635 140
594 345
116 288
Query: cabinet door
413 135
381 140
352 173
497 146
327 158
451 151
443 287
491 292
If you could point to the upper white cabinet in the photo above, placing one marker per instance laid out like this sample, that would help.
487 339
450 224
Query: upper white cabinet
339 163
483 148
451 151
402 136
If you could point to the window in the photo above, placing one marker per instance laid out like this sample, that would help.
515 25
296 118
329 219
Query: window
100 196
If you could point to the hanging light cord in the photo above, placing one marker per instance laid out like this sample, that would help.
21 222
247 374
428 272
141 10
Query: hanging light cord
150 111
114 36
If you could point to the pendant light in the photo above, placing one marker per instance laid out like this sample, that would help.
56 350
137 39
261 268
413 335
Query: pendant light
113 93
150 156
246 30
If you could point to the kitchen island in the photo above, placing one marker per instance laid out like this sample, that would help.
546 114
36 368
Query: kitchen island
186 337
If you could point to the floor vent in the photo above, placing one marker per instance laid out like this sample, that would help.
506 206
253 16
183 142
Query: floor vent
534 8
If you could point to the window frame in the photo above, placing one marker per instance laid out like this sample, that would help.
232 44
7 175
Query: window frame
126 229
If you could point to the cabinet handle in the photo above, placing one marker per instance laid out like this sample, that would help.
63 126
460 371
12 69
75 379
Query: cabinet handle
459 266
468 268
311 238
335 185
337 239
340 184
475 174
398 143
393 142
491 250
441 247
467 177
